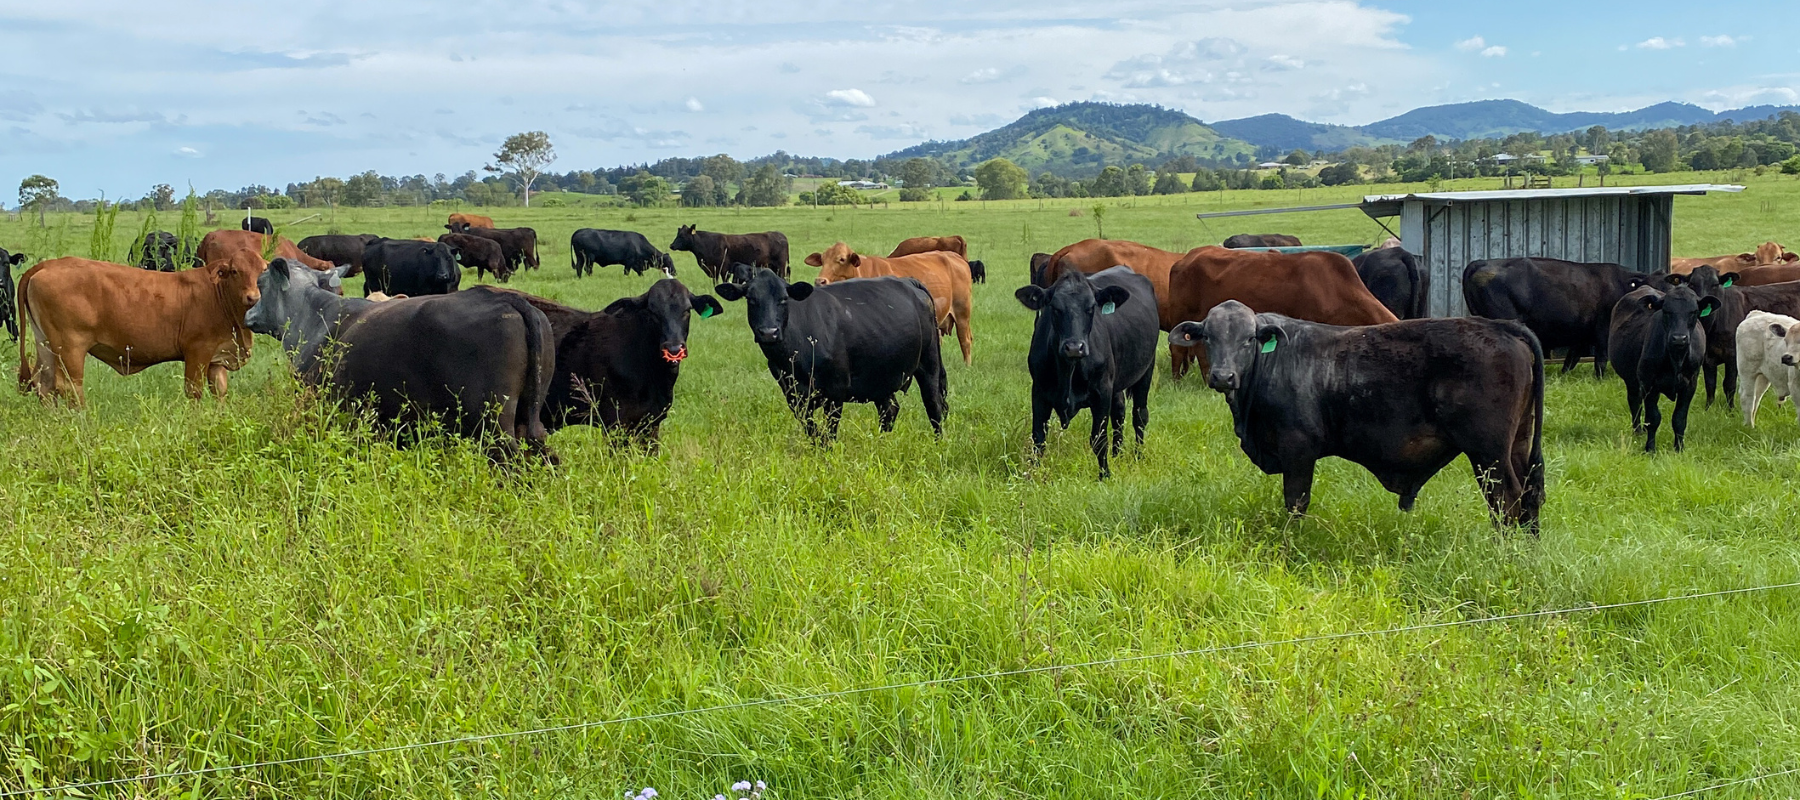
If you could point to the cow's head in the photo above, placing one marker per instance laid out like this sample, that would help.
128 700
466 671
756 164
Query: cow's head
667 306
281 291
11 259
442 258
1703 281
235 277
1070 307
1679 315
1770 253
1789 346
666 262
837 263
767 297
684 238
1234 340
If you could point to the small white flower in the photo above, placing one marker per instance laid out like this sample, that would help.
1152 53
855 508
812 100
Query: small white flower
741 786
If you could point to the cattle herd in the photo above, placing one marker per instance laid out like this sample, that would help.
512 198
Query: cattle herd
1317 355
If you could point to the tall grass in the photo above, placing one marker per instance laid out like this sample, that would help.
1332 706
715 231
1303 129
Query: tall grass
192 584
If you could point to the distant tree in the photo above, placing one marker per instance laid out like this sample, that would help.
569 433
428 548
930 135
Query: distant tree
699 192
1205 180
1169 183
1340 174
1050 184
36 192
831 194
162 197
724 171
1298 158
523 157
1137 180
1661 151
1001 179
645 189
1273 181
919 173
913 195
1598 139
1109 183
1791 166
363 190
1179 164
765 188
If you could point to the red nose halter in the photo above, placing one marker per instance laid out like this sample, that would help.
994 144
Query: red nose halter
675 357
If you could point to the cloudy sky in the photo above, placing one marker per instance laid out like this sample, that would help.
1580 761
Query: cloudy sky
115 96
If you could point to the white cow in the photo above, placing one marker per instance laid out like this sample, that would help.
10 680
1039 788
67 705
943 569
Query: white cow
1768 350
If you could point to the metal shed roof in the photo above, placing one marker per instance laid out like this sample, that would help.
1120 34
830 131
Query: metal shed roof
1388 205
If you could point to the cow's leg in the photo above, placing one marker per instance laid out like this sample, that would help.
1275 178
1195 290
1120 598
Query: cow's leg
932 387
1102 412
216 378
1752 386
1652 417
1684 397
1731 379
887 409
194 376
1140 405
1711 370
1178 361
965 332
1040 423
1600 349
1570 359
1296 486
1634 400
1118 422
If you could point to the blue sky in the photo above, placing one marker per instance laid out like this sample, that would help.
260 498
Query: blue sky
112 96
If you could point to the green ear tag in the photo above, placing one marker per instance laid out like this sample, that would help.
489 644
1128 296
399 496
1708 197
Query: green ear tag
1706 312
706 312
1109 308
1727 282
1268 345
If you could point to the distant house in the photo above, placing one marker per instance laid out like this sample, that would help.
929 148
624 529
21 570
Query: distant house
1504 159
1270 165
1599 159
864 185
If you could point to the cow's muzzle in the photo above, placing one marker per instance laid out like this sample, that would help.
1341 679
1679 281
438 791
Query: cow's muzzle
1222 381
676 354
1788 359
1074 349
767 335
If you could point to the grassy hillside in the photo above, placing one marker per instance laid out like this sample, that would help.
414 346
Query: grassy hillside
199 584
1078 139
1287 133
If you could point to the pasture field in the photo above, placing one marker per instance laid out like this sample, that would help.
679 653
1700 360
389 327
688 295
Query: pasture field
190 585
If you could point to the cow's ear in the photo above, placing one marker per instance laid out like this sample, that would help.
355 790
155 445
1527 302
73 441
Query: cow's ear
1111 297
1747 259
855 260
1708 305
17 259
1270 337
1729 278
730 291
1778 329
1653 302
1675 280
1031 297
706 306
1637 280
800 291
1790 257
815 260
1187 334
335 276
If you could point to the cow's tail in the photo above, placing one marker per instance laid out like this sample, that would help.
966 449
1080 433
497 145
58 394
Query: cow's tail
532 394
1533 498
21 328
1421 299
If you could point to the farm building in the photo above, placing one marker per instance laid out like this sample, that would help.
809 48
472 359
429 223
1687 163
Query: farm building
1627 225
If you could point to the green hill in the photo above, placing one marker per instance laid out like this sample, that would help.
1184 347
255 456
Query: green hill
1078 139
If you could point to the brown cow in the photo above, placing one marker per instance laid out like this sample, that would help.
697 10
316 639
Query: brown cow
459 222
927 244
130 319
1763 276
1096 255
1766 254
1318 286
219 245
945 276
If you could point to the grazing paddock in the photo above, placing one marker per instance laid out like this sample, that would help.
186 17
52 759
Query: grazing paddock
193 584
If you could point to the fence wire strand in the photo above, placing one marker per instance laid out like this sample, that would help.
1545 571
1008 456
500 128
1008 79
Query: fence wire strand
986 676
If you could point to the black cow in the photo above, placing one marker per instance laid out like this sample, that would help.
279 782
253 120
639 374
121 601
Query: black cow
1566 303
1402 399
591 247
259 225
1244 240
1735 303
339 249
857 341
162 251
1039 263
617 368
477 362
8 308
409 267
485 255
977 272
1394 277
518 244
1095 340
1656 345
717 252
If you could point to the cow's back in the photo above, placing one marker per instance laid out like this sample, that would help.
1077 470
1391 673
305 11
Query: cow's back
1093 256
926 244
1316 286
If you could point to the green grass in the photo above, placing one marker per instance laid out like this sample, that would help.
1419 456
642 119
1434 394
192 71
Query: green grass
196 584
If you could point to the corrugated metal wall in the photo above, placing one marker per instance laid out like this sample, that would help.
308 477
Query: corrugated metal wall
1632 230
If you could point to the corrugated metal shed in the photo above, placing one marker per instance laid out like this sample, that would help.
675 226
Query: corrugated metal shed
1627 225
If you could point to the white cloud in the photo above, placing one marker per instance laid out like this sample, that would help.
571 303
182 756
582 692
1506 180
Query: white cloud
1659 43
1495 51
1471 44
1041 102
187 152
1722 40
1282 61
849 97
993 75
693 104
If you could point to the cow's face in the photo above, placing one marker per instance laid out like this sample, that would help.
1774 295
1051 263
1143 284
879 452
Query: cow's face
1070 308
1678 317
668 304
767 297
1234 340
1770 253
280 290
443 262
684 238
1788 344
837 263
236 278
667 263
